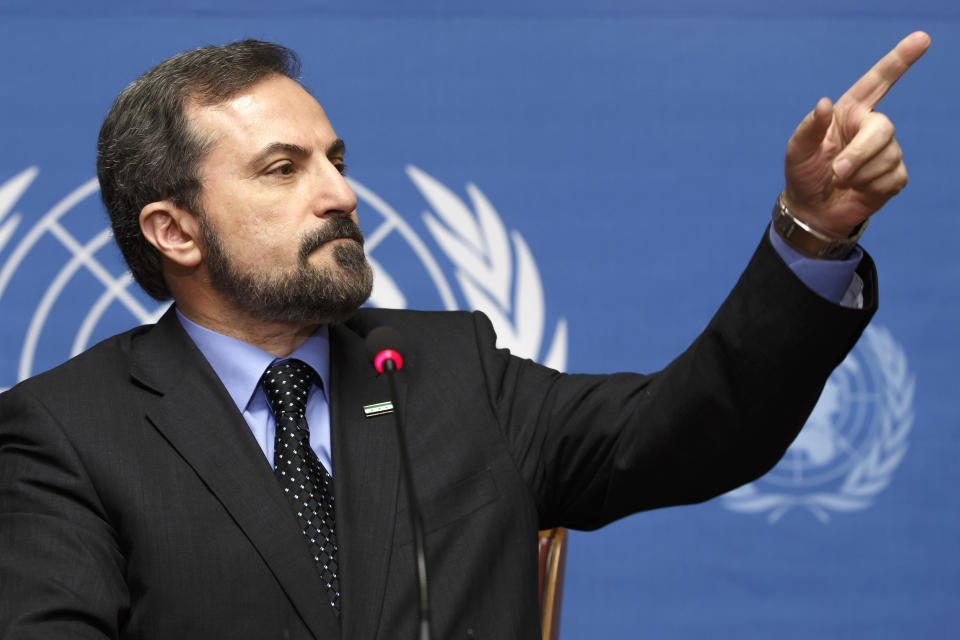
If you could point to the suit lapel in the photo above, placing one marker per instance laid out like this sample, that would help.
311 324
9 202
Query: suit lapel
199 419
365 476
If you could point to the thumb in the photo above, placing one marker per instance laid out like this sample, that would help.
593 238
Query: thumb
809 133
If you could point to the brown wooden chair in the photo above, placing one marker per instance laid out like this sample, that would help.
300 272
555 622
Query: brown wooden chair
553 558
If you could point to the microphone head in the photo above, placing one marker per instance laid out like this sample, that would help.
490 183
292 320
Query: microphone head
385 343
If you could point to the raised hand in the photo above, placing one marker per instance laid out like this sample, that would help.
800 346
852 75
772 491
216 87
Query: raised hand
842 162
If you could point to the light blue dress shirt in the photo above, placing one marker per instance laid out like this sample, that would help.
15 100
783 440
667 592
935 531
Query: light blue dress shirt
240 365
835 280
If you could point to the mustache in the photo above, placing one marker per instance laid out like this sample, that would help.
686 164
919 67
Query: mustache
336 229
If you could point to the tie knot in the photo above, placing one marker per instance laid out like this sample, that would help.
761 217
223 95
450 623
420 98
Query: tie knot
287 384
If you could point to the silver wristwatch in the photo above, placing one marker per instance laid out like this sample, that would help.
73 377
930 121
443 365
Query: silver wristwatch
809 241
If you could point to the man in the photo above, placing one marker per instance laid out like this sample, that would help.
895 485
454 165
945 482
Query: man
145 486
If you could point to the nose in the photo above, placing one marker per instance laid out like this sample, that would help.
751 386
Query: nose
336 198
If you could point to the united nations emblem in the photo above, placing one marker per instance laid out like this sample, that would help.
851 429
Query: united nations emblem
852 443
63 284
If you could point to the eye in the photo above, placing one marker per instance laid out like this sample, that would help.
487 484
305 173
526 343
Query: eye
283 169
341 167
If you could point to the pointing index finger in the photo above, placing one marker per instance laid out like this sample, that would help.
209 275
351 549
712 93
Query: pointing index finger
869 89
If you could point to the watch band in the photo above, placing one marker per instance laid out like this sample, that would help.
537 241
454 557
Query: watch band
809 241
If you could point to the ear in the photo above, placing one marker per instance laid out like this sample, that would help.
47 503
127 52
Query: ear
174 231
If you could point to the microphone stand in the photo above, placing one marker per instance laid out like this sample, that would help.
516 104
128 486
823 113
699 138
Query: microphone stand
416 519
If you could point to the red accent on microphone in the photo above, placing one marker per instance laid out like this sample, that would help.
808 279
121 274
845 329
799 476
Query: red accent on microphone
387 354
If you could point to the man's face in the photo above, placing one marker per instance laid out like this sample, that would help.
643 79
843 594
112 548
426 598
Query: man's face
278 220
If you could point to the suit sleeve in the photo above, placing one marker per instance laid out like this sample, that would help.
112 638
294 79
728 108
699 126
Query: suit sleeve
61 568
596 448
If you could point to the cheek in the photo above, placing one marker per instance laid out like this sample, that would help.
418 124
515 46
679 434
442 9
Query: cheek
251 237
261 242
254 223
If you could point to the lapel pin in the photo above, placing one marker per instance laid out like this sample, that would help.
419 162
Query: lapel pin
377 409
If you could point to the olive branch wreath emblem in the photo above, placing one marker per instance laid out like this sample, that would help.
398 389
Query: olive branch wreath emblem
496 271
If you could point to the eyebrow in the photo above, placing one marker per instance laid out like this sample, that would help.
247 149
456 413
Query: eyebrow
338 147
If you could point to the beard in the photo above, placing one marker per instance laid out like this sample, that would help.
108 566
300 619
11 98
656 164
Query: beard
305 293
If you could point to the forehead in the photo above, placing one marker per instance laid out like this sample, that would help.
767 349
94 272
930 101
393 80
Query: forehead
275 109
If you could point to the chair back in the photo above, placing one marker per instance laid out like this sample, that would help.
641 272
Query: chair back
553 558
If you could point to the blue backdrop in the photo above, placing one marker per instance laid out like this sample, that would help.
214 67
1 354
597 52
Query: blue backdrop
550 161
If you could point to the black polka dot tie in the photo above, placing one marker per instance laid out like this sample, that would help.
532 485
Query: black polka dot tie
305 482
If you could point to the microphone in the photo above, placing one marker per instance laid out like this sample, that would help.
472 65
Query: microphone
385 345
384 348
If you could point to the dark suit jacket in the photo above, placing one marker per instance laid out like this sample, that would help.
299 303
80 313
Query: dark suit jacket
134 502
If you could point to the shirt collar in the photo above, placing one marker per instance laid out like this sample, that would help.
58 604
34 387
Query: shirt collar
240 365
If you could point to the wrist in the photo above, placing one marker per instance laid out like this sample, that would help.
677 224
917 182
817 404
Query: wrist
809 240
